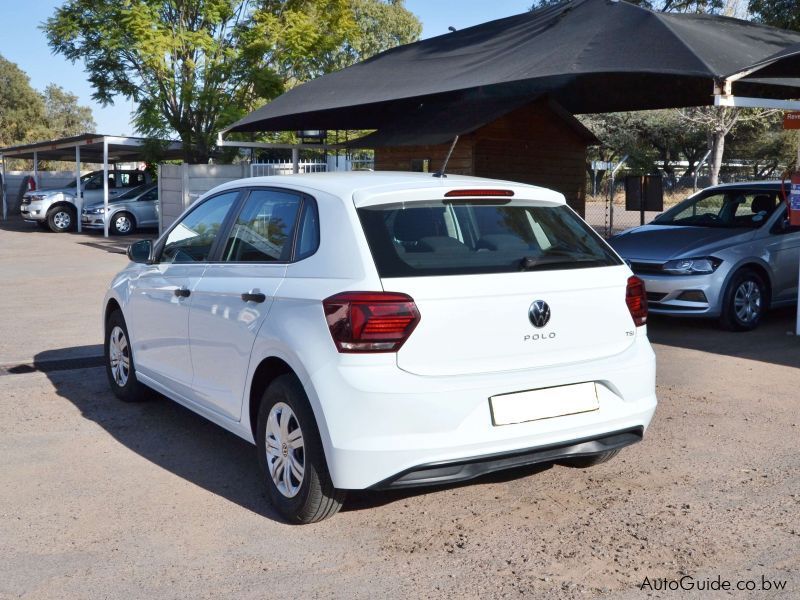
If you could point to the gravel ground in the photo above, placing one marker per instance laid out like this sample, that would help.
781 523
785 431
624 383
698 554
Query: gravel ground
99 499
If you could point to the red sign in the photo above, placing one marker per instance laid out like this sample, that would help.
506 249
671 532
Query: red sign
791 120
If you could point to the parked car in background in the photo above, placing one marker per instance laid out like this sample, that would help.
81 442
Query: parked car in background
55 208
728 252
387 330
126 213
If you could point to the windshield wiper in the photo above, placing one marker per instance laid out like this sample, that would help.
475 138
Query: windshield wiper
530 263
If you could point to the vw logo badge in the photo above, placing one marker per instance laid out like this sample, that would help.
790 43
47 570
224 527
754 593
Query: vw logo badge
539 313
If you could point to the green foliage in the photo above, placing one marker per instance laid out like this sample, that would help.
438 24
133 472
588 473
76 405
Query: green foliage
21 107
63 115
196 66
647 137
27 116
784 14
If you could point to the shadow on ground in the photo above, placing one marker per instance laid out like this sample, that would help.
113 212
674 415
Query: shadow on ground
88 237
772 342
187 445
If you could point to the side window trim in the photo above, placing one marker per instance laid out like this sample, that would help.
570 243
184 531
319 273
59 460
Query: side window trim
225 224
309 204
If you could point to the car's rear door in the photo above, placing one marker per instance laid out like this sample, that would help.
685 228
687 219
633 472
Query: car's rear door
234 296
161 294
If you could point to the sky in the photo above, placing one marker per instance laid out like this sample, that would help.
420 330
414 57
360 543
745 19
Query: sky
22 42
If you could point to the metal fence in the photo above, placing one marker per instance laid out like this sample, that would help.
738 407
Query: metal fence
286 167
330 164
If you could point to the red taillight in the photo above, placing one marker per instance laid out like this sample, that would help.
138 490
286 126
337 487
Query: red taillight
636 299
31 184
479 193
370 321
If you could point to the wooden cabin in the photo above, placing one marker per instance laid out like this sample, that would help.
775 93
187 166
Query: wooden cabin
541 144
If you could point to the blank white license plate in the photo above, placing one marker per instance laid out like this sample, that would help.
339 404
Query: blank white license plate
545 403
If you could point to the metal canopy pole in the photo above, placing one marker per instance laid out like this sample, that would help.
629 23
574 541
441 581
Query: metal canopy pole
610 230
105 187
797 322
36 169
3 190
295 160
78 194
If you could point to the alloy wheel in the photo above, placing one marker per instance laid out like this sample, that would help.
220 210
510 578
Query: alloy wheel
119 356
122 224
285 450
747 301
62 219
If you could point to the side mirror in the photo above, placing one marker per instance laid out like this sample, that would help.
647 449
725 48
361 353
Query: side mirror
141 251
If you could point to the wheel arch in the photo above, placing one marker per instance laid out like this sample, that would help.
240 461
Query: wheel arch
111 306
760 269
266 372
62 204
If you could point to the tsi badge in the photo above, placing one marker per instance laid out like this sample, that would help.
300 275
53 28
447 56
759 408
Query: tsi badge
539 315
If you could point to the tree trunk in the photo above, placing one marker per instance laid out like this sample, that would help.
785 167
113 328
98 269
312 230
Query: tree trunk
716 141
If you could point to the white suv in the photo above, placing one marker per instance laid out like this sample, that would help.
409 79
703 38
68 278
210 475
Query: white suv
387 330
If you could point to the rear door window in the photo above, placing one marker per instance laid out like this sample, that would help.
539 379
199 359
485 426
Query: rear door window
264 229
466 237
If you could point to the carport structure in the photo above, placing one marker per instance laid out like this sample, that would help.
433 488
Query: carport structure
87 147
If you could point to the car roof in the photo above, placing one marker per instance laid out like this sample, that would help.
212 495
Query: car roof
372 183
774 183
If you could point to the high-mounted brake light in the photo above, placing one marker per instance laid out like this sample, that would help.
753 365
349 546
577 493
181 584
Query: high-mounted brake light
479 193
636 299
370 321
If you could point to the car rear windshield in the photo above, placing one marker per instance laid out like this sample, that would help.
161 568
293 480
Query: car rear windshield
478 236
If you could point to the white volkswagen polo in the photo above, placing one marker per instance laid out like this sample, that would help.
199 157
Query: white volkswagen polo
387 330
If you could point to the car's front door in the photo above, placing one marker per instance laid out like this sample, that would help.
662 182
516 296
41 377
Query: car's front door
146 209
235 294
783 248
158 310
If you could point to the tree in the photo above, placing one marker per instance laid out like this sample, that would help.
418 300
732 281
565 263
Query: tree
196 66
21 107
784 14
63 115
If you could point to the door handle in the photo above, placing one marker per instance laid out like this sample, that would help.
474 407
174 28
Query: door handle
254 297
182 292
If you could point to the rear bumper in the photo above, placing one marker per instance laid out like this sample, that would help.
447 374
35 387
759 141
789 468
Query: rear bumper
380 423
463 470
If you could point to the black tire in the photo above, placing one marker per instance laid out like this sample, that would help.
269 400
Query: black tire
745 289
584 462
129 390
315 498
117 228
61 219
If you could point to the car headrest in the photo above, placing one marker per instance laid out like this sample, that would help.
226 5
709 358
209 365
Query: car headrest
762 203
413 224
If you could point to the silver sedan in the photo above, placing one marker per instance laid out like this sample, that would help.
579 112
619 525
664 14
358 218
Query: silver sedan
126 213
728 252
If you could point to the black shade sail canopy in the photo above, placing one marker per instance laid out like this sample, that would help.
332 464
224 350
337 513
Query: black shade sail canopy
589 56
